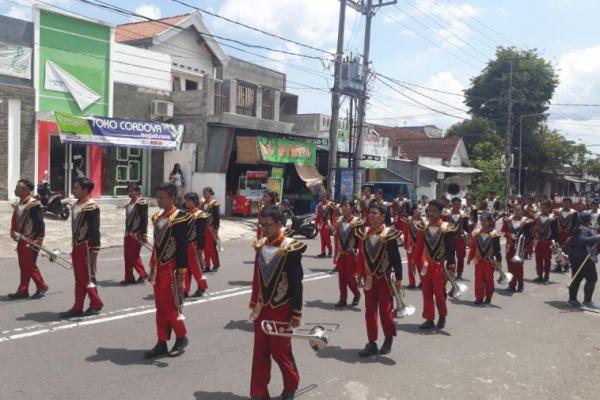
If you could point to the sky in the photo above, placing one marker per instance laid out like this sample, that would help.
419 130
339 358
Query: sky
436 44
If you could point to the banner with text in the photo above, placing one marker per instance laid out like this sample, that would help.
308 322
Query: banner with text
373 145
119 132
286 151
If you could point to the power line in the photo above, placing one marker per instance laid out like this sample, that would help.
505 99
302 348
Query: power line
574 105
500 35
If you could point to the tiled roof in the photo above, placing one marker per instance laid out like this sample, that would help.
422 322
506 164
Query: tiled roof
395 134
145 29
443 148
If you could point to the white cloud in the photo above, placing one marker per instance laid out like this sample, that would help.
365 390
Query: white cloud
147 10
280 59
19 13
23 10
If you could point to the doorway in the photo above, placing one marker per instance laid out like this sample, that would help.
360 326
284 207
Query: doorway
67 163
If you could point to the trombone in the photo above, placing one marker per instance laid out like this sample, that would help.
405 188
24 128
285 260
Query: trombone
458 288
504 277
54 256
402 309
316 332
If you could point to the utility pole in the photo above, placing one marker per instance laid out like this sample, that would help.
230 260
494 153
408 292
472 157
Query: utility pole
508 155
368 9
335 103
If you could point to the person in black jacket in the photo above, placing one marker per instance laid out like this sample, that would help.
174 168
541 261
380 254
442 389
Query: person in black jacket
136 229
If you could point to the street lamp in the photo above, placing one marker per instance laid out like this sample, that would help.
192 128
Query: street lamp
521 143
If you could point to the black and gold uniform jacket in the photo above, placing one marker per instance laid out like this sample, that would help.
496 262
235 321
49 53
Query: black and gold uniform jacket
545 228
567 220
85 224
278 275
196 227
211 208
346 240
378 252
457 221
136 217
401 208
28 219
171 238
485 245
513 228
435 243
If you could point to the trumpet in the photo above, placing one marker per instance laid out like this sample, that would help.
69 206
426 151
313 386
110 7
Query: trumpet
560 257
504 277
54 256
458 288
519 256
316 332
402 309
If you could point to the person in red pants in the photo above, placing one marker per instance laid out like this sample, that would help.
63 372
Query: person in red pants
530 211
378 258
411 229
433 248
196 238
276 296
458 221
513 227
346 246
485 250
168 265
136 230
401 210
85 216
27 221
567 218
211 237
545 230
325 218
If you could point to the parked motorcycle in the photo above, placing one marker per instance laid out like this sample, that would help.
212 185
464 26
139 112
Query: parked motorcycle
53 203
304 225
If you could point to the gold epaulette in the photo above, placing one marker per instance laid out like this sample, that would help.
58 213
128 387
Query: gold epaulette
287 232
199 214
179 217
14 204
357 222
259 243
156 216
89 206
333 206
422 225
496 233
214 203
290 245
142 201
389 233
361 232
33 203
446 227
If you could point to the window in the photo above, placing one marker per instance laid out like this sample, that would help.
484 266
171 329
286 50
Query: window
246 99
221 97
191 85
176 84
268 97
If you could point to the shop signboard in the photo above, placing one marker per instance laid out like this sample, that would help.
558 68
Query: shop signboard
373 145
277 172
346 183
285 151
119 132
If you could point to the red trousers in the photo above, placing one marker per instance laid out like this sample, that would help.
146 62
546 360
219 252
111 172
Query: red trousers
28 267
484 279
562 237
131 252
211 253
412 268
379 298
80 256
164 299
461 252
514 268
280 348
433 286
325 239
346 267
194 269
543 257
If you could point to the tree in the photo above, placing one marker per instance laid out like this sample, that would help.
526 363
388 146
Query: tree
486 156
474 131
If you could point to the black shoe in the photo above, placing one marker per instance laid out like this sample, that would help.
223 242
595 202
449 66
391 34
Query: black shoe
206 269
520 289
160 349
91 311
591 305
260 398
574 303
411 287
355 300
488 300
546 279
288 395
386 347
186 295
40 293
428 324
141 279
333 270
566 269
441 323
322 255
127 282
18 295
329 255
341 304
179 346
478 302
539 279
369 350
510 289
557 269
71 313
198 293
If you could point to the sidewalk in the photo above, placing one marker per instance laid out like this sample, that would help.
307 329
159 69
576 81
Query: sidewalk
112 224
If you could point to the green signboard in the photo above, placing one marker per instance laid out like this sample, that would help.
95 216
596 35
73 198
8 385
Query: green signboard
286 151
74 65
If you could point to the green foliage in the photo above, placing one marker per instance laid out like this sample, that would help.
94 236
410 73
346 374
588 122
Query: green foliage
474 131
486 156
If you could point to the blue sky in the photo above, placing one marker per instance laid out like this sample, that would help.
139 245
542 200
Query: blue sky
438 44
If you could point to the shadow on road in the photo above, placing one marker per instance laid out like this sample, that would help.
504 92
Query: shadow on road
504 292
110 283
42 316
248 262
148 297
201 395
240 283
242 325
124 357
470 303
350 356
539 283
414 328
322 270
563 306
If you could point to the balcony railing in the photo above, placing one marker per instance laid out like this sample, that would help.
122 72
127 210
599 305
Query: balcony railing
221 97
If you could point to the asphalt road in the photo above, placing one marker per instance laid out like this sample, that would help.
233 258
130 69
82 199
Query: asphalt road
525 346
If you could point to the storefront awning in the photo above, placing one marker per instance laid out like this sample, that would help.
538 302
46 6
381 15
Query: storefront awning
451 170
574 179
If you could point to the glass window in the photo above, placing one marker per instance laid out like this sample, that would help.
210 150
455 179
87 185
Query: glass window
191 85
246 99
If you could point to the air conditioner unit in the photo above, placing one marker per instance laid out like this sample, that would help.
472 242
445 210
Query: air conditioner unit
162 110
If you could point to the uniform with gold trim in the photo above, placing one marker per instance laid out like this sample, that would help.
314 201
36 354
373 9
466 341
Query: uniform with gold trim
458 220
531 211
485 250
567 222
378 258
346 250
545 230
196 242
411 229
512 228
28 220
401 210
276 295
325 218
136 226
211 252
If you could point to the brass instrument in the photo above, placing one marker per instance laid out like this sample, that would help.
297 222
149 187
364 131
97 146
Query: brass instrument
317 332
560 258
91 273
504 277
458 288
145 245
55 256
177 295
519 256
402 309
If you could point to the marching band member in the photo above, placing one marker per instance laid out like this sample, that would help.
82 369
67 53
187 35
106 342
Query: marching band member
493 204
595 223
485 250
567 221
211 207
401 209
168 265
378 200
530 211
86 245
423 204
513 227
411 229
268 200
136 229
276 295
325 218
346 245
378 257
27 220
366 194
433 248
545 231
363 208
196 237
458 221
